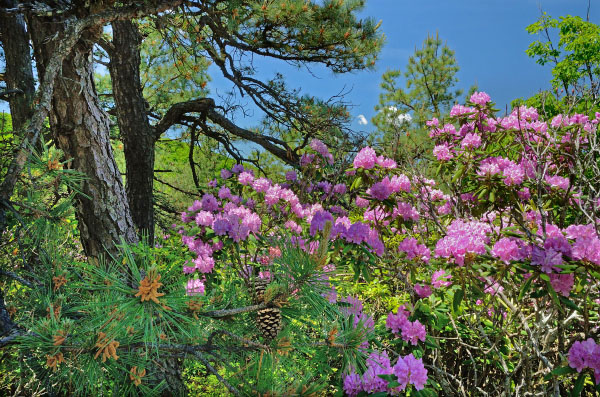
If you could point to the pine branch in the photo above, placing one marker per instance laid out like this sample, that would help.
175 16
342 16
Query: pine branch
16 277
232 312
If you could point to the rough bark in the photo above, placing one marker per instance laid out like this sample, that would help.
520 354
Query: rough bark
82 133
19 74
135 128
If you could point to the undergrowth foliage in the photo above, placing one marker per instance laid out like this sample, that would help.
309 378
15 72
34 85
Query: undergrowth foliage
351 277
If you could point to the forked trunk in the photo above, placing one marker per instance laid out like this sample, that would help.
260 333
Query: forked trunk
81 130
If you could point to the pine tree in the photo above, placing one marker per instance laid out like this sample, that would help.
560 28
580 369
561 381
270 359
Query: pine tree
429 81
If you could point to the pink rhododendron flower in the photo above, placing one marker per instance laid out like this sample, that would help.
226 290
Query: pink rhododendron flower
385 162
245 178
459 110
406 211
322 149
562 283
480 98
471 141
261 185
204 218
414 250
318 221
506 249
365 158
381 190
443 152
558 182
400 183
547 259
195 287
441 279
225 173
352 384
410 370
340 188
291 176
513 174
224 193
209 203
585 354
424 291
463 238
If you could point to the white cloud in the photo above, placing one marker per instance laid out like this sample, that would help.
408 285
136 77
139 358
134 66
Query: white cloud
395 117
362 120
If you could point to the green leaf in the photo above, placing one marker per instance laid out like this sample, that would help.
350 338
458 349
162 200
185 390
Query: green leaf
569 303
429 341
459 172
388 377
554 296
356 183
576 392
560 371
458 296
525 287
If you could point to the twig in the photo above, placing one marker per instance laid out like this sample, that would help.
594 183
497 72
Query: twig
228 385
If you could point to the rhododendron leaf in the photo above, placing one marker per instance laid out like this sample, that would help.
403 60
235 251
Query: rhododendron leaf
560 371
459 172
526 287
356 183
365 273
439 169
441 321
424 393
554 296
429 341
569 303
482 193
579 383
544 277
388 377
457 299
492 196
423 308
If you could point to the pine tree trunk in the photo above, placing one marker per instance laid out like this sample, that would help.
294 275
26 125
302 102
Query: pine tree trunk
19 74
138 141
136 131
82 132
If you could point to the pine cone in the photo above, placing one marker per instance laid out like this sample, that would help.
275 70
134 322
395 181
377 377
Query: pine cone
259 286
269 322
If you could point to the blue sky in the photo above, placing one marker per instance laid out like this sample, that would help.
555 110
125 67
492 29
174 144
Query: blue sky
488 37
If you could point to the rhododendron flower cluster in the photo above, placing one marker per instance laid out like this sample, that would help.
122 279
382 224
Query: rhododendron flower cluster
586 354
505 222
415 250
366 158
412 331
408 371
462 238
